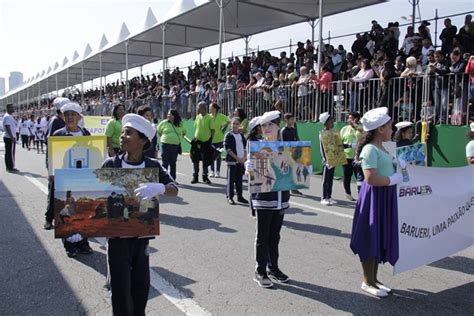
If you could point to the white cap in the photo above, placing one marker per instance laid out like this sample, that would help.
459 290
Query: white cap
71 106
375 118
472 126
59 102
269 116
401 125
411 61
254 122
323 117
140 124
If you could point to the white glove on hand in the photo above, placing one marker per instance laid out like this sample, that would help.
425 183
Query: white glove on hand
74 238
249 165
395 179
149 190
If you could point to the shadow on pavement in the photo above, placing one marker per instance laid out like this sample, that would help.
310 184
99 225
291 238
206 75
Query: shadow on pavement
193 223
177 281
455 263
30 282
297 210
316 229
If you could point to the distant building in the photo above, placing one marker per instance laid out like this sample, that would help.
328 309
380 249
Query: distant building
2 86
15 80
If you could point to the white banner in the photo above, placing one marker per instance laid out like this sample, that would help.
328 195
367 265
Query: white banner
435 214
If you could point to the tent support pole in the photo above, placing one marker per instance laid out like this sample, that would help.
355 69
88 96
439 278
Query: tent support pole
100 76
220 40
67 78
56 81
126 71
163 28
200 55
82 84
320 39
247 41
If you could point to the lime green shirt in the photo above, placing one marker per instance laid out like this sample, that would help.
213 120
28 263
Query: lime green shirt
349 135
169 133
113 130
203 126
244 125
218 123
375 158
470 149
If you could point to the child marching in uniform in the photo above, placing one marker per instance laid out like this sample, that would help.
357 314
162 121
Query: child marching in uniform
128 260
39 134
404 134
235 145
289 133
254 135
375 224
270 209
328 171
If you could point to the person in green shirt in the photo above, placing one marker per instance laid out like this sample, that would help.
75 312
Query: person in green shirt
350 136
114 129
171 132
201 146
219 123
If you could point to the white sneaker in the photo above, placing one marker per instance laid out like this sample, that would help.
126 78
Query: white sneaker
373 290
211 174
384 287
350 198
218 174
325 202
332 202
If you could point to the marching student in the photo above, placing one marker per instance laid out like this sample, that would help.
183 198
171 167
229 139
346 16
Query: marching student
128 257
404 134
201 146
255 134
375 224
219 123
350 135
10 130
39 130
270 209
235 145
470 145
74 244
328 171
290 134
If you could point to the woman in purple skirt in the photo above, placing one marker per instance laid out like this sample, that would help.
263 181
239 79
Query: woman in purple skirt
375 226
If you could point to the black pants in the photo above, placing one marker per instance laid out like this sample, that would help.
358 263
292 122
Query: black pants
328 177
9 153
269 224
196 170
169 156
234 179
129 275
347 177
70 246
49 215
219 159
25 141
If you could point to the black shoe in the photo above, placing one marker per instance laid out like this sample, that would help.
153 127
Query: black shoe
231 201
14 170
296 192
206 180
242 200
72 252
194 180
262 280
85 249
277 276
48 225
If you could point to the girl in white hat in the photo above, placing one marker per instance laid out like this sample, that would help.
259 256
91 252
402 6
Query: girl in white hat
375 225
404 134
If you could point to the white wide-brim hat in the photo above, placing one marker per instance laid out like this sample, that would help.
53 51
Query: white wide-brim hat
59 102
323 117
254 122
269 116
375 118
140 124
71 106
402 125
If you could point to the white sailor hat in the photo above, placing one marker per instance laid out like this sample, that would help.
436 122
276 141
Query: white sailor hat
59 102
269 116
375 118
140 124
472 126
71 106
401 125
323 117
254 122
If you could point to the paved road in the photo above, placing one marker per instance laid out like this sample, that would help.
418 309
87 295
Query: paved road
203 261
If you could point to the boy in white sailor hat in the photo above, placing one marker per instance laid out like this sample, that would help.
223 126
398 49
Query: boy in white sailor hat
328 171
470 145
128 259
404 134
375 225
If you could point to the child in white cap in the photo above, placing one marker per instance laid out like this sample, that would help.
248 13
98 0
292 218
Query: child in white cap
328 171
375 224
404 134
470 145
129 264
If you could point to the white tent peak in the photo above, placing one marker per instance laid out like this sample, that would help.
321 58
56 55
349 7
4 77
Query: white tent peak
49 70
75 55
179 8
150 20
56 65
65 61
42 73
87 50
124 33
103 42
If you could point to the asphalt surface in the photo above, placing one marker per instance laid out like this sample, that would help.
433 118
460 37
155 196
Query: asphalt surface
204 259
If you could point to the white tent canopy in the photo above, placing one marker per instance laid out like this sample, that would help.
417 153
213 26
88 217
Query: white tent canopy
186 27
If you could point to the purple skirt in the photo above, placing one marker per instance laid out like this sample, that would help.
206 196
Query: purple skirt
375 224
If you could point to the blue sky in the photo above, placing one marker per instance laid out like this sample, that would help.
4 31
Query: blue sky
36 34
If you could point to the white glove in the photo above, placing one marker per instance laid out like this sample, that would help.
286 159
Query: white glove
249 165
74 238
149 190
395 179
354 145
402 163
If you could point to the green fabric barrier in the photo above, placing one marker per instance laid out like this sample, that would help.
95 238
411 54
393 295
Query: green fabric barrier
447 146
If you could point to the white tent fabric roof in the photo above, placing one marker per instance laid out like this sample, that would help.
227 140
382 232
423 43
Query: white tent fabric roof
187 28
